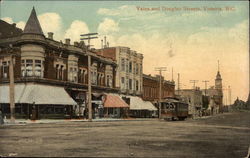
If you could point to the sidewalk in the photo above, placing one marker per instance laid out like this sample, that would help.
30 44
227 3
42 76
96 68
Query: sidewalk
27 121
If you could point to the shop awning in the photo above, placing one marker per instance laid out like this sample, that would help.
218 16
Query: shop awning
38 94
137 103
114 101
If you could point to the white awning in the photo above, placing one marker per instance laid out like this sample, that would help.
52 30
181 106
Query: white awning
137 103
38 94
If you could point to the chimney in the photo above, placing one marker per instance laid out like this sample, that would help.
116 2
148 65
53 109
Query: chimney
104 41
67 41
107 44
76 44
50 35
102 44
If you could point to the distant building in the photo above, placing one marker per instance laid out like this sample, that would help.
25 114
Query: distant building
194 98
215 95
129 68
151 87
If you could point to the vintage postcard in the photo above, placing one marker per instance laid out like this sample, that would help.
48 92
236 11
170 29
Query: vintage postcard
124 78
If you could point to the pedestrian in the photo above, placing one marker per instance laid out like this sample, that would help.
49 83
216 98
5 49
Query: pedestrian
1 117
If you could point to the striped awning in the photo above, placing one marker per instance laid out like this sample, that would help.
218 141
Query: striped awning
37 94
136 103
114 101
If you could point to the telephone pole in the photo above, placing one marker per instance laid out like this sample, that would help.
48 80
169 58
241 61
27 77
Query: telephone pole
89 89
10 53
88 37
12 91
229 94
160 69
193 81
205 86
178 88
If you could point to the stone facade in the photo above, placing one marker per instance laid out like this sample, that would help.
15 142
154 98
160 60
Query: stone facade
194 98
129 68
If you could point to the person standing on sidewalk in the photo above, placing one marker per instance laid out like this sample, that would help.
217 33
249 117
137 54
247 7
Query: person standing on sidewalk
1 117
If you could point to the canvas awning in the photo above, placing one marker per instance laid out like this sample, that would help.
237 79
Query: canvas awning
114 101
38 94
137 103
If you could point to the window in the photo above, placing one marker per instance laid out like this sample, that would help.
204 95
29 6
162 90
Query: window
127 66
127 83
82 75
137 85
130 66
123 64
38 67
23 68
5 69
108 78
136 69
61 72
122 82
130 84
30 67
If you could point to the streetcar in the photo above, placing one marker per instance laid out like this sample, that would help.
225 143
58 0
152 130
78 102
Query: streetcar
173 109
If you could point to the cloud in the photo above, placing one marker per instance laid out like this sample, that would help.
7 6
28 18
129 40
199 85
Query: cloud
108 26
125 10
51 22
19 24
8 20
76 28
240 32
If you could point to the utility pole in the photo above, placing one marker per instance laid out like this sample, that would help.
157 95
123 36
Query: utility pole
172 74
12 91
89 89
88 37
205 86
160 69
193 81
229 94
178 88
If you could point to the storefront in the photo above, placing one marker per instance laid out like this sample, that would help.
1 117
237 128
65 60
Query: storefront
35 101
114 106
140 108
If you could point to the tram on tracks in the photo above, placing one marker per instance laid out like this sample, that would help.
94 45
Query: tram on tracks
173 109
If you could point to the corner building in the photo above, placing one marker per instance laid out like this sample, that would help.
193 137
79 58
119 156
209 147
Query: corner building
51 77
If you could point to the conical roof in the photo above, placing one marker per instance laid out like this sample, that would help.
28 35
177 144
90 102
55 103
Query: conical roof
218 76
33 25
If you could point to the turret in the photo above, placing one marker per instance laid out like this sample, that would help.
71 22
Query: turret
32 49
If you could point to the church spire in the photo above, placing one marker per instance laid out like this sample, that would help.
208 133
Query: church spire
218 65
33 26
218 76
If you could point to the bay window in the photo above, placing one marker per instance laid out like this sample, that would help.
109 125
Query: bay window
31 67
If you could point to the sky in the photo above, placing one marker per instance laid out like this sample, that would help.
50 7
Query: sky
186 36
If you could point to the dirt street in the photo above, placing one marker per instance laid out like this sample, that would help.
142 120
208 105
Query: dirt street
225 135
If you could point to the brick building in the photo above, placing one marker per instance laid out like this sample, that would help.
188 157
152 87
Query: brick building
51 77
151 88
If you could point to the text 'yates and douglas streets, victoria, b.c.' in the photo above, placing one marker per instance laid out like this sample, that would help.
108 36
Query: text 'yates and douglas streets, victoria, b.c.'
172 9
